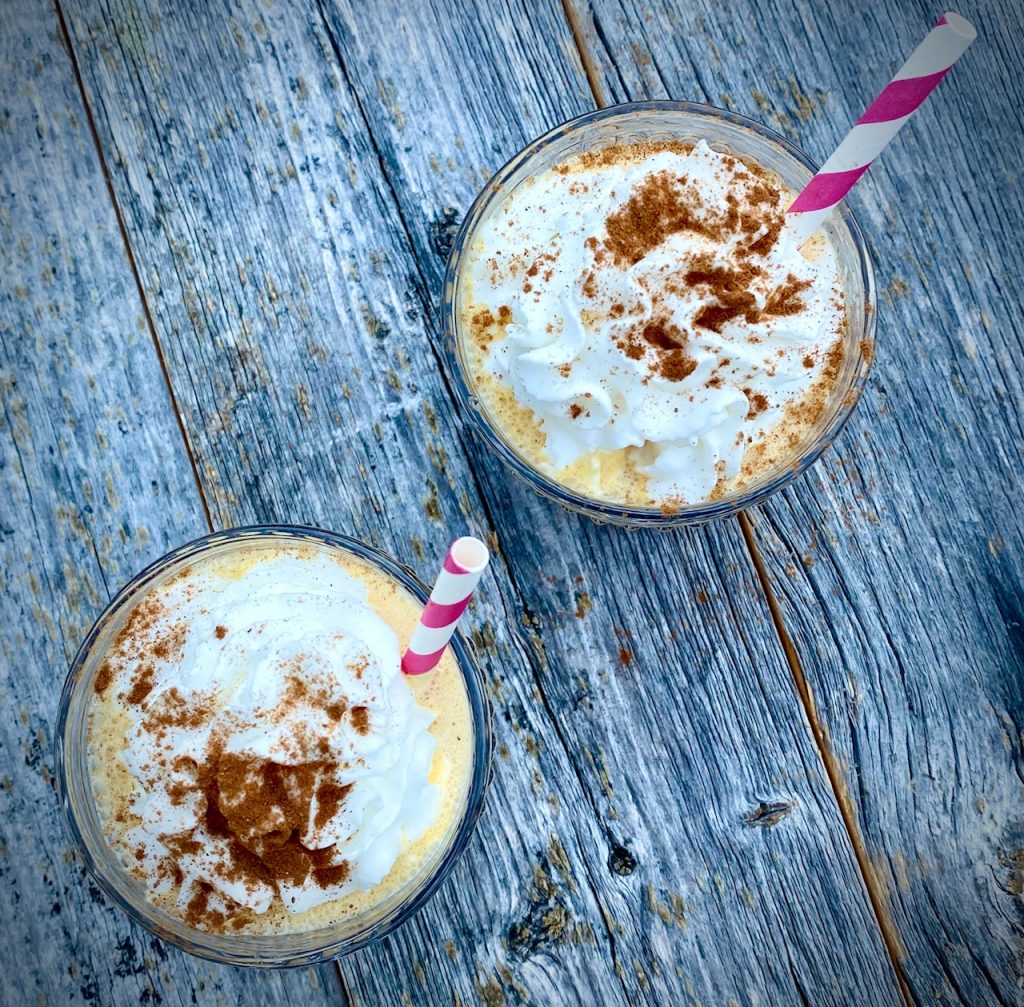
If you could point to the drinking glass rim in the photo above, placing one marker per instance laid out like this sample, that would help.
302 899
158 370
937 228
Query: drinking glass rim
268 950
603 510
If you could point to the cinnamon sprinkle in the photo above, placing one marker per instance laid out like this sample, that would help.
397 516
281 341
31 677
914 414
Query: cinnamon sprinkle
104 676
171 709
169 646
664 204
668 343
142 686
676 365
730 289
261 808
661 205
784 300
197 911
258 809
663 334
757 403
361 719
329 799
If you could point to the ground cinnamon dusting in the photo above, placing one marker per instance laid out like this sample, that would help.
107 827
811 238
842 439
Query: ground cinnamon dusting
676 365
730 289
602 157
171 709
104 676
784 300
663 334
361 719
328 877
661 205
142 685
134 647
667 340
169 646
197 912
261 808
732 297
664 204
757 403
328 800
143 618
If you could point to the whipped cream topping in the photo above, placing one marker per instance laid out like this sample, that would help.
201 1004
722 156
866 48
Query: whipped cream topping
276 752
648 297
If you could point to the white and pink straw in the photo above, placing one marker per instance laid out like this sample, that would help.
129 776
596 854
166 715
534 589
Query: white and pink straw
463 566
914 81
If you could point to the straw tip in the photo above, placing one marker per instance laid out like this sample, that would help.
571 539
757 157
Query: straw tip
470 553
960 25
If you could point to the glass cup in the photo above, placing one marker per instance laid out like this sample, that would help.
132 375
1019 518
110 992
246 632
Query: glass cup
75 790
723 131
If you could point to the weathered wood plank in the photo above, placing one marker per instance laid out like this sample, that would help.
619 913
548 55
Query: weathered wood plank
288 253
899 561
94 483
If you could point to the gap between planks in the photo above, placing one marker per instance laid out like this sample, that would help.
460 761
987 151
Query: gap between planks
129 253
572 18
875 890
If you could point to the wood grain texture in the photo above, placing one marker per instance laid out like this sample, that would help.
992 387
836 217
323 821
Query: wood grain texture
898 561
288 177
94 484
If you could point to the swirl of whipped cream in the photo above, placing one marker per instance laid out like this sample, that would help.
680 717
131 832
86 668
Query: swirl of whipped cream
609 339
268 712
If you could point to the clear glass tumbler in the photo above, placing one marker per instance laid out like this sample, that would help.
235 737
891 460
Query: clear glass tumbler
75 789
723 131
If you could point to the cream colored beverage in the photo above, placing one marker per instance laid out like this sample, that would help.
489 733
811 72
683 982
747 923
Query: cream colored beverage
641 327
257 758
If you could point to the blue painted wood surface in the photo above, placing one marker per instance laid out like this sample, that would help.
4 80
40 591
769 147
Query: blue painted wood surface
289 175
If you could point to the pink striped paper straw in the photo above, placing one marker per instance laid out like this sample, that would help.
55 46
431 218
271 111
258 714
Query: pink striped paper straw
941 48
466 561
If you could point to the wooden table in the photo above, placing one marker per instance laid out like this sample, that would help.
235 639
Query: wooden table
777 760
